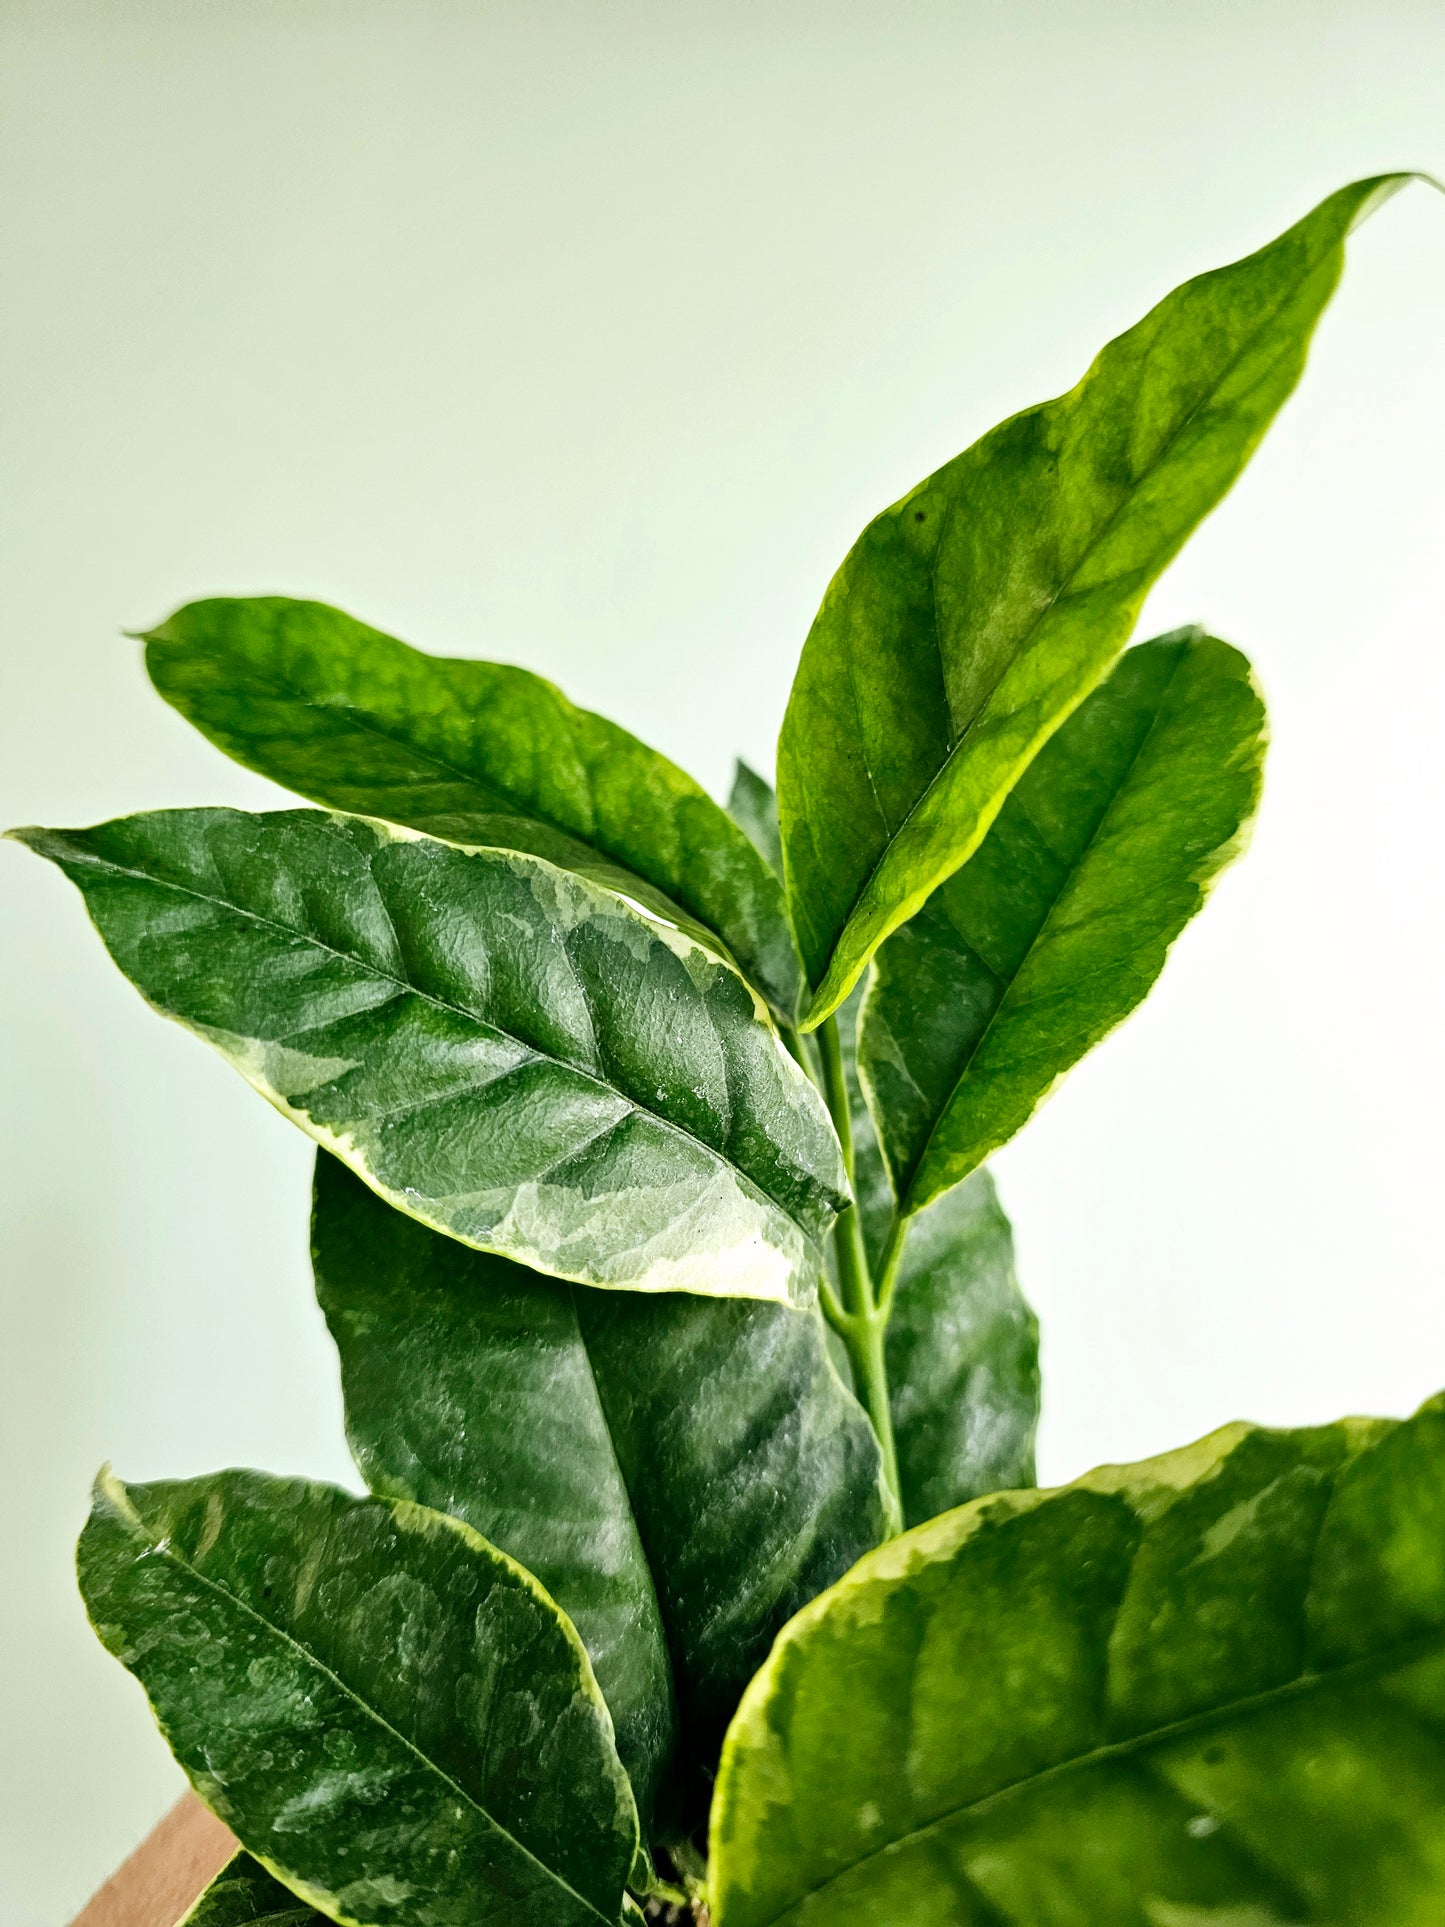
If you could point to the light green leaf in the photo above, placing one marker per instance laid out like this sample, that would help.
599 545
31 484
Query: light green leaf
974 615
1056 930
962 1350
1210 1686
497 1046
474 752
243 1894
682 1474
391 1715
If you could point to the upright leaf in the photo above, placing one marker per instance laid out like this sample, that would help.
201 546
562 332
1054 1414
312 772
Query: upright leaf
497 1046
962 1350
1206 1688
974 615
681 1474
475 752
754 808
243 1894
1060 924
390 1714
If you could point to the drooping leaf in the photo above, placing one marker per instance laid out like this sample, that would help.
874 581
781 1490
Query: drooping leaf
499 1047
390 1714
681 1473
474 752
243 1894
962 1350
1058 927
754 808
974 615
1206 1688
962 1346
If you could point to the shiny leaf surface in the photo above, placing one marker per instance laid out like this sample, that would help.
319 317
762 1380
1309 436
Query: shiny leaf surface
681 1473
390 1714
962 1350
1205 1688
497 1046
975 614
243 1894
1058 927
475 752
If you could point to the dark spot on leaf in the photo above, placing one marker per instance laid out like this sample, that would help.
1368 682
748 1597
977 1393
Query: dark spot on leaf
919 516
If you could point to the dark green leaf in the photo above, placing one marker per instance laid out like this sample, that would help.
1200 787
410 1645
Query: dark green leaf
390 1714
754 808
243 1894
1059 926
963 1356
499 1047
475 752
972 617
682 1474
1209 1688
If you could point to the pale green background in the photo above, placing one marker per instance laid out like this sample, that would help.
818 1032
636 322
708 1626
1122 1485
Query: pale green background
589 337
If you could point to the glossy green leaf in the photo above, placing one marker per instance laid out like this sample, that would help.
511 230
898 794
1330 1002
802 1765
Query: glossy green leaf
962 1346
1060 924
243 1894
497 1046
1206 1688
390 1714
682 1474
962 1350
475 752
975 614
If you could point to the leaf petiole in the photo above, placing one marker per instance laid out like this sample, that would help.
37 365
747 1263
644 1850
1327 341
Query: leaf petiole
861 1318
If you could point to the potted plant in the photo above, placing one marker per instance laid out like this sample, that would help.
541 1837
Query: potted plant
703 1574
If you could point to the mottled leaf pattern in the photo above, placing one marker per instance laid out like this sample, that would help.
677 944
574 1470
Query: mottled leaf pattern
390 1714
1059 926
975 614
680 1473
499 1047
1206 1688
474 752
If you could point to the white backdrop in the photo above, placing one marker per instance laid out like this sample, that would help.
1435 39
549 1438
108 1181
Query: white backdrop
589 338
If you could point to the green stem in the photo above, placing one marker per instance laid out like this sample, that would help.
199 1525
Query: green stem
861 1319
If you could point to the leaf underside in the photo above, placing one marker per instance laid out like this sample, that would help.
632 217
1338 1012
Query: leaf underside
497 1046
972 617
391 1715
1060 924
243 1894
1205 1688
680 1473
474 752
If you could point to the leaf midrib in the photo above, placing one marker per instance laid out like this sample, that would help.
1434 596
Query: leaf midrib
368 723
456 1010
167 1552
1373 1664
1071 874
1064 585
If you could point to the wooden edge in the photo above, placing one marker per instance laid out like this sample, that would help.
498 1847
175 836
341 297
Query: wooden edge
166 1874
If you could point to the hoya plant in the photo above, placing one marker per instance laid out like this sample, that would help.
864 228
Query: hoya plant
702 1574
